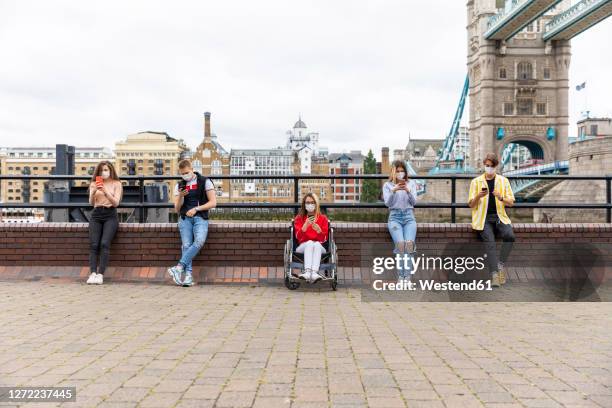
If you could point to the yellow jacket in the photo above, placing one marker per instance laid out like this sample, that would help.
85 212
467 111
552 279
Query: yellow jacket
479 213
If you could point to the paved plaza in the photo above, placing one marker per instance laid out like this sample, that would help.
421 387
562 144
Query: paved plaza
125 345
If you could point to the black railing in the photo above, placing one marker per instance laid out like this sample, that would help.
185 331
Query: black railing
453 205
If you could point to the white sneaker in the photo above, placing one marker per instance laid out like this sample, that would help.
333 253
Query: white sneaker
305 275
99 279
315 277
92 278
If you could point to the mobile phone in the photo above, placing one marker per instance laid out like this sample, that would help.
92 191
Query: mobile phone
99 180
182 185
484 189
311 218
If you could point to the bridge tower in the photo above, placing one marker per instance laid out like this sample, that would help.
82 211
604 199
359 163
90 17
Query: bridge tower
518 85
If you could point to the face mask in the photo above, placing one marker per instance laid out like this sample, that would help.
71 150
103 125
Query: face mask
187 176
310 207
105 174
489 170
401 175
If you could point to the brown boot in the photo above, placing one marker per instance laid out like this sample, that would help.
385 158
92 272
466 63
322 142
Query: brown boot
495 280
502 277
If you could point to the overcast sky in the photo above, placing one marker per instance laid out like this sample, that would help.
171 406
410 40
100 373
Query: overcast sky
364 74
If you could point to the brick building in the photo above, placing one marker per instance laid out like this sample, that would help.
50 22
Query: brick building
211 159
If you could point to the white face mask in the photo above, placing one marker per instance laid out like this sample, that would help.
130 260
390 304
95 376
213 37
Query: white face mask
489 170
187 176
401 175
105 174
310 207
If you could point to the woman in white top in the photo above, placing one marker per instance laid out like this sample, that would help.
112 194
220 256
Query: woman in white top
400 196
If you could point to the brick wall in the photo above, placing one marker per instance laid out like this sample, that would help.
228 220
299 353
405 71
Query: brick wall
233 250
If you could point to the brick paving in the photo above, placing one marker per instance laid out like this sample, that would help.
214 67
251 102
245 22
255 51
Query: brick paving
126 345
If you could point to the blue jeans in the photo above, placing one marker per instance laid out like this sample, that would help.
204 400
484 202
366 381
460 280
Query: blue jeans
402 227
193 235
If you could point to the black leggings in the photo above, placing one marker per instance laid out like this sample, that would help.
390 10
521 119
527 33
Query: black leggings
102 228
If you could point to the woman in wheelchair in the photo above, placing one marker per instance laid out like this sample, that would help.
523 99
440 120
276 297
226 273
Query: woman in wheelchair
400 195
311 228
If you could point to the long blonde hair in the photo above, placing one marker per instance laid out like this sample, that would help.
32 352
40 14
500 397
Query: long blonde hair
394 166
317 210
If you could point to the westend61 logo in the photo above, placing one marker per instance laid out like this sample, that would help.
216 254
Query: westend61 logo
412 264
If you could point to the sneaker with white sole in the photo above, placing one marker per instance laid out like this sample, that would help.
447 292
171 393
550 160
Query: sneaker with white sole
92 278
99 279
315 277
188 281
305 275
175 272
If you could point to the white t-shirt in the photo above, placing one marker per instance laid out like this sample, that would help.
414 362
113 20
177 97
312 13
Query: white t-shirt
193 185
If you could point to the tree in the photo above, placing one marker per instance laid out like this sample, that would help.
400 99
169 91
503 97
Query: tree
370 188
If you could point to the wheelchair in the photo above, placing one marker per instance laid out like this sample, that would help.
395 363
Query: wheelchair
329 261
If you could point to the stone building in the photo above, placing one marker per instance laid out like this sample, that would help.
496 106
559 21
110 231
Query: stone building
301 154
273 162
518 88
39 161
421 153
149 154
594 127
588 157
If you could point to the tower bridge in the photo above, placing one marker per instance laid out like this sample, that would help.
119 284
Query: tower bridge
518 61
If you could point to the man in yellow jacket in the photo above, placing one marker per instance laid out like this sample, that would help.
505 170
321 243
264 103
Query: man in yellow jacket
490 194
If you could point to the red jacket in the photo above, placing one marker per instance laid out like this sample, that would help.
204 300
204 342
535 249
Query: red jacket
310 234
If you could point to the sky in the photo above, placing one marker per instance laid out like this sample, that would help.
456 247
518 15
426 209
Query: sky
364 74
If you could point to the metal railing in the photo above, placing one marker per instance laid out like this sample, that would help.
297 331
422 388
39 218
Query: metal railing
578 10
452 205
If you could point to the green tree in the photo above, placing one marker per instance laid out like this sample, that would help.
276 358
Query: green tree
371 188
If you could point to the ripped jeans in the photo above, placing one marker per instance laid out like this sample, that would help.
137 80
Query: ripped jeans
402 227
193 235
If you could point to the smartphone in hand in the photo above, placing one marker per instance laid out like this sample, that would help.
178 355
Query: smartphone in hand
99 181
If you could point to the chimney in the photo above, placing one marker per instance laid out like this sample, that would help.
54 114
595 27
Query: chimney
206 125
384 165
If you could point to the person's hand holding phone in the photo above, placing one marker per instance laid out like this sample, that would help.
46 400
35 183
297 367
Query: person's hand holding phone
401 185
100 184
183 192
483 192
311 220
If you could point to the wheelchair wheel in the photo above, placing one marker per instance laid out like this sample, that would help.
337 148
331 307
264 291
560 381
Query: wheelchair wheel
334 283
291 285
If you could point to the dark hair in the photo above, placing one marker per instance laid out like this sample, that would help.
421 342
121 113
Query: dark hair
98 171
184 164
493 158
